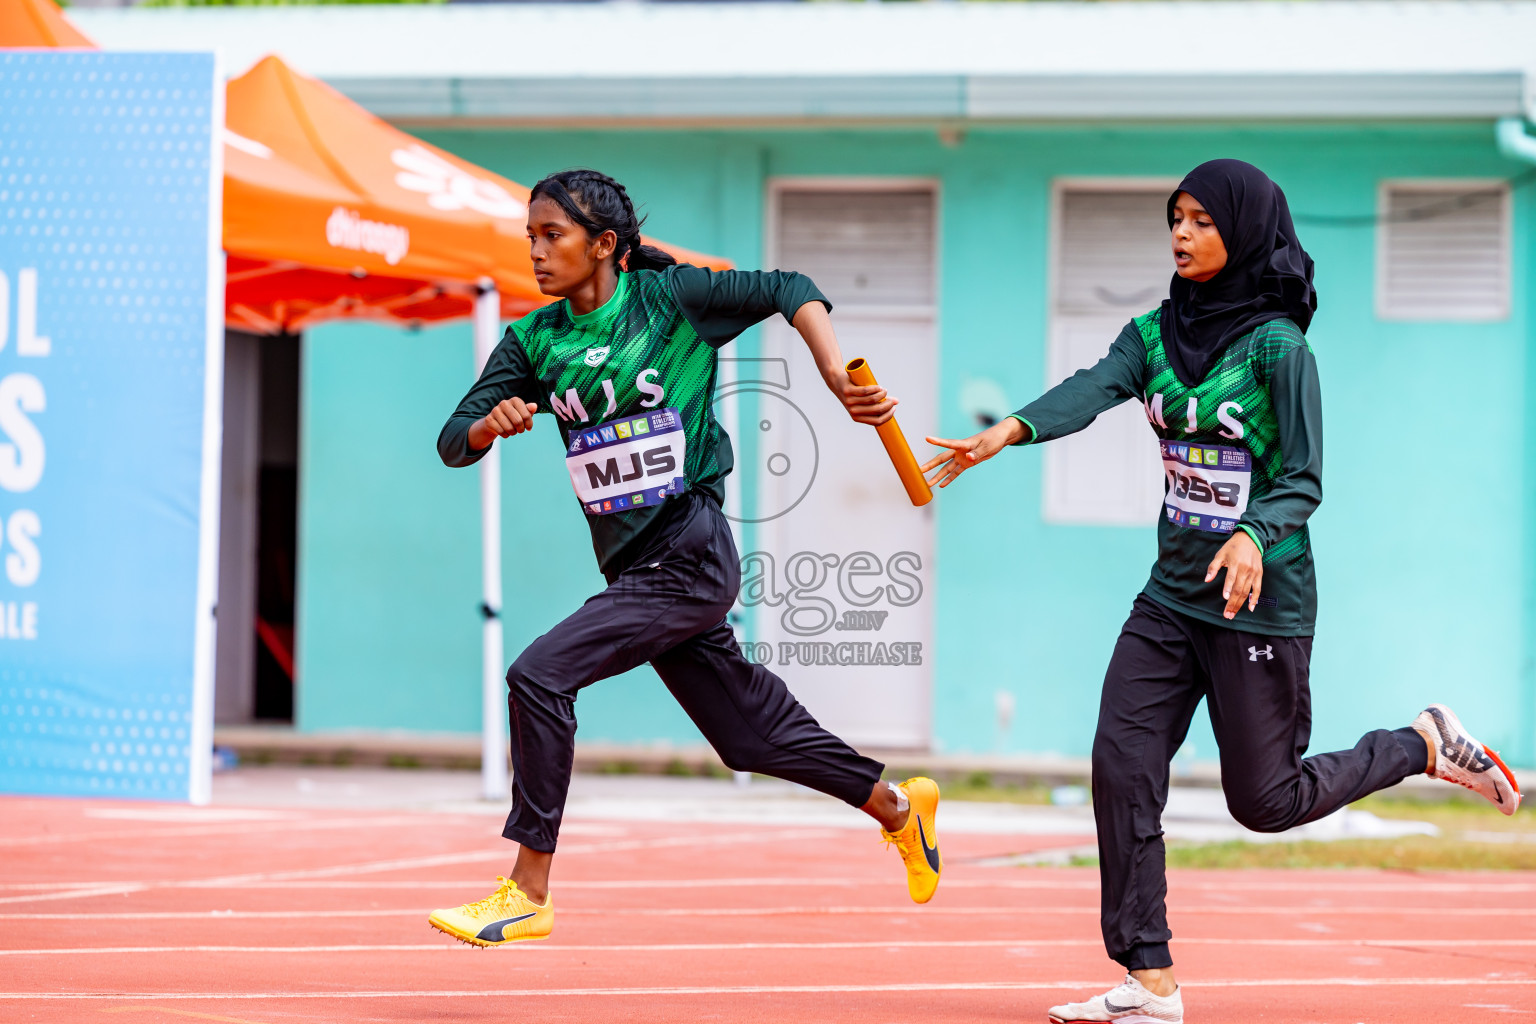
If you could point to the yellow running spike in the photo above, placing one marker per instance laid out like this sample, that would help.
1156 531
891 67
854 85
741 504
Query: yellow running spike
506 915
918 840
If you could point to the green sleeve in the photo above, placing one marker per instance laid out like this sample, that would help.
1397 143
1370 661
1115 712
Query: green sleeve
720 304
507 374
1298 403
1077 401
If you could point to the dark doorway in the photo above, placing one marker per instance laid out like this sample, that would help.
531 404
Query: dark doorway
277 528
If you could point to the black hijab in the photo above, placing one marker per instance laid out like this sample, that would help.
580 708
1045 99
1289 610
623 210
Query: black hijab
1268 275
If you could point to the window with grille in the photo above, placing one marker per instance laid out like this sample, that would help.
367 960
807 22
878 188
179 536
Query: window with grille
1443 251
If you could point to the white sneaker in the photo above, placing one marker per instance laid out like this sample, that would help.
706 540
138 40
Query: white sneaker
1128 1003
1461 759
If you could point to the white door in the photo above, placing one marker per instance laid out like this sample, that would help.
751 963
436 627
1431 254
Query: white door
839 588
1112 262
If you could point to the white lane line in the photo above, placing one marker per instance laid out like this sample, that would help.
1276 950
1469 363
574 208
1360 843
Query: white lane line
783 911
222 829
217 915
396 864
876 880
529 948
739 990
567 911
77 894
402 864
116 950
1177 911
174 815
506 853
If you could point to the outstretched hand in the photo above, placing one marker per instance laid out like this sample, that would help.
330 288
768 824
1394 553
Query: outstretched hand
972 451
1245 572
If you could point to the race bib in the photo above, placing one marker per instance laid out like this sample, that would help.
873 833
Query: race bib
1207 485
629 463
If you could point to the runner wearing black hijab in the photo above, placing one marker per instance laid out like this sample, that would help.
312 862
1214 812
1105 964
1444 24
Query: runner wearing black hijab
1230 386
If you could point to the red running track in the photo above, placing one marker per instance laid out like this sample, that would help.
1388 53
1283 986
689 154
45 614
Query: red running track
318 915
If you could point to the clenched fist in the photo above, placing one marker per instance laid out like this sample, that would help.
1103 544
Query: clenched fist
513 416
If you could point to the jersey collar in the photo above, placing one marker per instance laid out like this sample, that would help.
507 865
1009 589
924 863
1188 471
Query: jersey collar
601 313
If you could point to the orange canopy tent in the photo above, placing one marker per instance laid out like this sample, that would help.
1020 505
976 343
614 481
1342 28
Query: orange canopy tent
37 23
329 211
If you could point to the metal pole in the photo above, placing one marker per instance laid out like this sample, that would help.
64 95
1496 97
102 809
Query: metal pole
727 374
493 688
205 636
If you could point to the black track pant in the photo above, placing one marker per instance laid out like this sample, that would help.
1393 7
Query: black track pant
668 609
1261 712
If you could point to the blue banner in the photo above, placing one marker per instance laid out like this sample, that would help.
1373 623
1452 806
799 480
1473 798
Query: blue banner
110 376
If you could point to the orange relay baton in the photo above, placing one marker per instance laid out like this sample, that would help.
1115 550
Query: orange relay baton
895 442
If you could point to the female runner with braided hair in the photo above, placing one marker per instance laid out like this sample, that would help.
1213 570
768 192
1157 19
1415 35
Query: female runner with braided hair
626 362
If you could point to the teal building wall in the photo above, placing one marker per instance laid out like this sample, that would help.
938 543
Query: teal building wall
1427 577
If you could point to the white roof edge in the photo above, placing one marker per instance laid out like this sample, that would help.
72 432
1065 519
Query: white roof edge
943 98
636 40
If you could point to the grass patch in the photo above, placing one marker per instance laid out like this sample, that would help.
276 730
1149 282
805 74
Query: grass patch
402 761
1457 812
1411 853
1474 836
979 786
1470 840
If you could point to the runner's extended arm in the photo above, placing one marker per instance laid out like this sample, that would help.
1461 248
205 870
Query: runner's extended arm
1077 401
720 304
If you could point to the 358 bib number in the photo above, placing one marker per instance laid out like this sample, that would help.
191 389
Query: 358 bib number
1207 485
628 464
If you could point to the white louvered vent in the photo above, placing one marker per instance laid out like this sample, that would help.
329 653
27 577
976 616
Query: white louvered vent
1114 256
1113 262
862 248
1443 251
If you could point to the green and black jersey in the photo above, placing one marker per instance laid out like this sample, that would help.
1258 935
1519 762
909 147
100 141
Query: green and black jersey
1242 449
632 383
